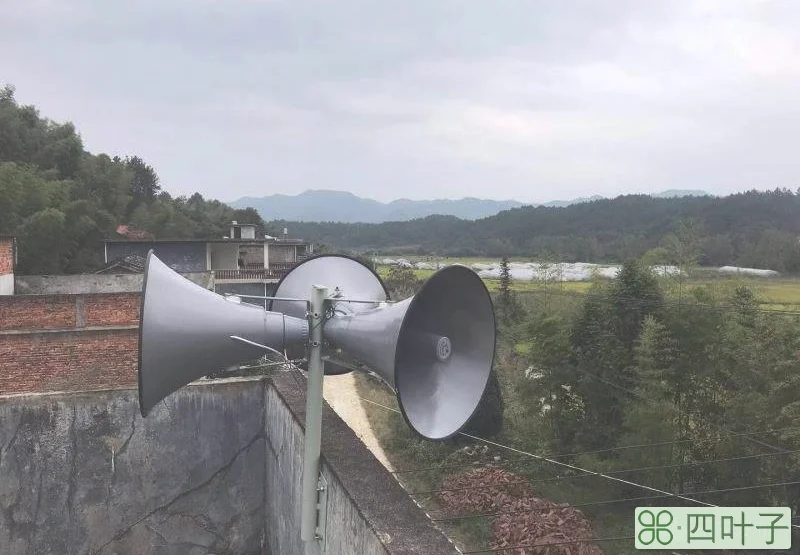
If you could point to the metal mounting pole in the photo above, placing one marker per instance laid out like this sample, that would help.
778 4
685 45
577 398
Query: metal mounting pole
310 495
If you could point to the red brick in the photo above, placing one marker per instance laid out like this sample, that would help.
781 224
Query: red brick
68 361
35 360
37 312
6 256
112 309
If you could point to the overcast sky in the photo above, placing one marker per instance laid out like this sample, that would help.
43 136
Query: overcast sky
529 100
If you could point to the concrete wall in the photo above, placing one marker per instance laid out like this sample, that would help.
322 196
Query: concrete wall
223 256
94 283
180 256
7 284
7 255
281 253
369 513
84 473
215 469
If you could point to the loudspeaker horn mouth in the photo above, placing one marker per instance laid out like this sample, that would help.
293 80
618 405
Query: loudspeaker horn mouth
142 409
186 330
445 352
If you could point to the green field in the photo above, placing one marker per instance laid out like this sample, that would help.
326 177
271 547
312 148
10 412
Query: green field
779 294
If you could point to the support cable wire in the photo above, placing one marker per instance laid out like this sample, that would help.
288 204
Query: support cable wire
620 448
614 501
573 467
532 545
666 301
646 398
619 471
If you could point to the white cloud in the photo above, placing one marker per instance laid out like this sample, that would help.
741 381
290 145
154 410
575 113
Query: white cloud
502 99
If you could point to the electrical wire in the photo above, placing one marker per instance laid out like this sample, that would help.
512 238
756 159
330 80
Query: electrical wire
547 459
531 545
667 301
620 471
646 398
627 482
619 448
574 467
614 501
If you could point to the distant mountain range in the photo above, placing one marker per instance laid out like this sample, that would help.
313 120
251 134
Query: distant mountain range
341 206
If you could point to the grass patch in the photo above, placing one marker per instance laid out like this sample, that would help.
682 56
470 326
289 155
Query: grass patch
523 349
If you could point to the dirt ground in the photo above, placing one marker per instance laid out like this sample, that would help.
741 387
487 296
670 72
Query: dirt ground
340 393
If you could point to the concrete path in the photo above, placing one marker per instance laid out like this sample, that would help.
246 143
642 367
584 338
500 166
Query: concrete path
341 394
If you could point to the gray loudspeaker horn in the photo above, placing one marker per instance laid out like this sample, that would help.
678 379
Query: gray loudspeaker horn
185 333
435 349
354 280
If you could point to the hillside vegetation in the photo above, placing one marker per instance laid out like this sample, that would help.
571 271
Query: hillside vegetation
62 201
753 229
692 391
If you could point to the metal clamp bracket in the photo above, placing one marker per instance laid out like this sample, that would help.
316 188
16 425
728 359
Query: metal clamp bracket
320 532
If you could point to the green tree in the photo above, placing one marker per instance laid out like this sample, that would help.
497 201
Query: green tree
487 420
145 182
402 283
43 242
505 282
62 201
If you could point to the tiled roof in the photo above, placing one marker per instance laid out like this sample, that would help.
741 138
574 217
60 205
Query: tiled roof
131 264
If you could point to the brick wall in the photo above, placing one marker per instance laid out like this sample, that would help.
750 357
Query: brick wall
68 342
6 255
115 309
40 312
68 361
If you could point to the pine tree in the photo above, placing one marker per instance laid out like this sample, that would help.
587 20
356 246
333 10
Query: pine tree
505 283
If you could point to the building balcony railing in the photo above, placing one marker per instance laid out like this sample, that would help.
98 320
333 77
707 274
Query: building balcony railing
282 266
272 265
251 274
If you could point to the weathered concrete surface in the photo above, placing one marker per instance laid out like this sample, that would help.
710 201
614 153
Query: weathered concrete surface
341 394
214 470
369 513
94 283
84 473
7 284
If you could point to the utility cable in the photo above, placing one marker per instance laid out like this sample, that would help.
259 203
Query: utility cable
574 467
540 545
619 448
668 300
646 398
620 471
555 462
627 482
614 501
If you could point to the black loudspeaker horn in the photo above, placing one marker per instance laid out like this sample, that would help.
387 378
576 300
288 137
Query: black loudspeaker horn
435 349
186 332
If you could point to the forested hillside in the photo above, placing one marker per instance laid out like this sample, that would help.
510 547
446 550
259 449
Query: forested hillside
61 201
757 229
665 390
